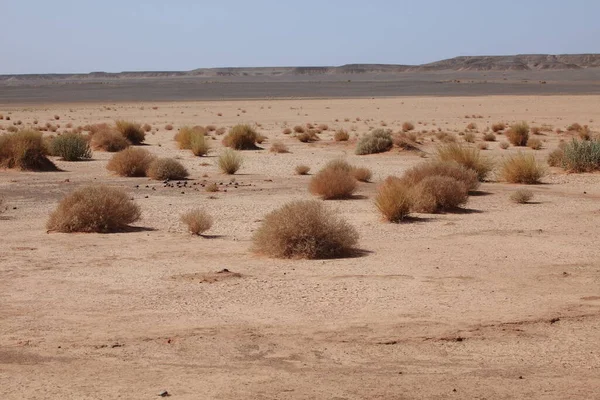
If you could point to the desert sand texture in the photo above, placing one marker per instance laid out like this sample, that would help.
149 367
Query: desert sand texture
497 301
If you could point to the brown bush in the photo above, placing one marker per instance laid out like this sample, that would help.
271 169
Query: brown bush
469 137
308 136
393 200
472 126
489 137
468 157
521 196
197 221
279 147
212 187
229 161
304 229
498 127
333 183
504 145
362 174
408 126
241 137
556 158
518 134
299 129
438 193
162 169
287 131
522 168
302 169
323 127
534 143
131 131
341 135
25 150
103 137
94 209
132 161
437 168
184 136
147 127
406 141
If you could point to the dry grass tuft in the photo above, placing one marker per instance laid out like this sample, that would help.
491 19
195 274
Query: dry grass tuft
106 138
362 174
341 135
25 150
556 158
304 229
469 137
302 169
98 208
522 168
504 145
393 200
408 126
518 134
378 141
489 137
212 187
438 168
241 137
308 136
287 131
299 129
229 161
498 127
279 147
438 193
162 169
521 196
131 131
534 143
132 161
468 157
197 221
334 181
184 136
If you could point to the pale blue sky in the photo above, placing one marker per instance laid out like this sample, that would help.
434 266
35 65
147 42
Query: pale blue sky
44 36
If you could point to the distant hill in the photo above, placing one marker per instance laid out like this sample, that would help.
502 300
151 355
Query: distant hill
523 62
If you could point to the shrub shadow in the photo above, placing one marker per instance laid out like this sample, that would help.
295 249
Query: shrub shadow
477 193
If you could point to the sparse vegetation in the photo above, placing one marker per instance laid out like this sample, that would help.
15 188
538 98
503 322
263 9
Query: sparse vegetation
131 131
489 137
498 127
378 141
504 145
408 126
438 193
304 229
229 161
130 162
98 208
279 147
362 174
106 138
581 156
161 169
341 135
302 169
469 137
438 168
185 134
241 137
307 136
334 181
197 221
24 150
521 168
534 143
556 158
71 147
299 129
518 134
468 157
521 196
393 200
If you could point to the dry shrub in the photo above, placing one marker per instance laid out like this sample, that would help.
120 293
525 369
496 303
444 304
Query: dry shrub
131 131
229 161
521 168
575 127
341 135
504 145
518 134
307 136
212 187
106 138
534 143
304 229
132 161
241 137
393 200
535 130
482 146
147 127
287 131
498 127
299 129
198 143
220 131
438 168
260 137
169 127
302 169
466 156
211 128
378 141
184 136
333 182
406 141
12 129
438 193
25 150
489 137
408 126
362 174
197 221
323 127
162 169
71 146
556 158
521 196
95 208
582 156
469 137
445 137
472 126
279 147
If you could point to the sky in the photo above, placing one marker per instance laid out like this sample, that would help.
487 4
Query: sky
71 36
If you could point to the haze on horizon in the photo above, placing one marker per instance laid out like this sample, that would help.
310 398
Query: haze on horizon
69 36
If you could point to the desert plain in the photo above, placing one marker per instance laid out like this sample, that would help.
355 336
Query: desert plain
496 301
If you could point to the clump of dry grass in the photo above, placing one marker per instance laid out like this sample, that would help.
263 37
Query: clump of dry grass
299 129
308 136
131 131
334 181
498 127
304 229
393 200
521 196
445 137
378 141
169 127
468 157
147 127
489 137
25 150
556 158
408 126
471 126
279 147
199 144
504 145
162 169
534 143
323 127
302 169
522 168
518 134
438 193
94 209
241 137
131 162
197 221
184 136
212 187
287 131
341 135
71 146
362 174
104 137
469 137
406 141
229 161
439 168
581 156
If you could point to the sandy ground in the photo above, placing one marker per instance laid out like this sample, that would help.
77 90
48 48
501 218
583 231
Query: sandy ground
501 301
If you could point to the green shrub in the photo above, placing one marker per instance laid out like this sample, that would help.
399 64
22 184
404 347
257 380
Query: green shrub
71 146
582 156
378 141
304 229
